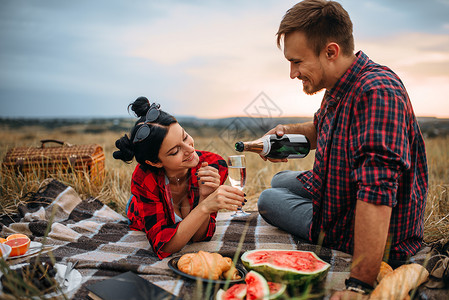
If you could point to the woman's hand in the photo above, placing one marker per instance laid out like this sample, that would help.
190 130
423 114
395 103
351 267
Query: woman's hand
224 197
208 180
195 225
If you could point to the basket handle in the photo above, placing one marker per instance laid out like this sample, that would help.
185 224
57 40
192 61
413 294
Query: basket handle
54 141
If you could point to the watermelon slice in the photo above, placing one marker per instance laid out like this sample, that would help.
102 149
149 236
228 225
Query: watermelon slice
256 286
288 266
238 291
276 289
235 292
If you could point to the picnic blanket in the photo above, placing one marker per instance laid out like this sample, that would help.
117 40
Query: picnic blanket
88 231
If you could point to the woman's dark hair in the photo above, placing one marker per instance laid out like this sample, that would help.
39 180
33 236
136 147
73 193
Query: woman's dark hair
148 148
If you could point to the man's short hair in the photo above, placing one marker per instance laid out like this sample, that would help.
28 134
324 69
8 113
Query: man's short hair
322 22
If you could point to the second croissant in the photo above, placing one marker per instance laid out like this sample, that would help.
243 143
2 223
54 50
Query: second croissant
208 265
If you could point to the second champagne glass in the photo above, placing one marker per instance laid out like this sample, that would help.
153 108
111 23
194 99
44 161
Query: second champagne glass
237 177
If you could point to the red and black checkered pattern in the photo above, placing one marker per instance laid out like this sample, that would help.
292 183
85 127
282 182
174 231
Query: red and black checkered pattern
88 231
369 148
151 209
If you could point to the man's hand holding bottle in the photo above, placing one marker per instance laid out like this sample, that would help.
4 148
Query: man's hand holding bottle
279 131
277 146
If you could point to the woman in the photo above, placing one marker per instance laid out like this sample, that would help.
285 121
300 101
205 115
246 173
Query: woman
176 191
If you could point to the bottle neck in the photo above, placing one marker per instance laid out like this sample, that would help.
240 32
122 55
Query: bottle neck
254 146
261 146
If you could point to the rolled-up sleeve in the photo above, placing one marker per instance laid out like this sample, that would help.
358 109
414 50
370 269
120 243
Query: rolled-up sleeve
379 145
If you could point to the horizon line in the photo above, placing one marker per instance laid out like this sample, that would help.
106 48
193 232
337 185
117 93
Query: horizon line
177 116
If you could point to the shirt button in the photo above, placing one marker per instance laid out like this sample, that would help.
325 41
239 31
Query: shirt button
308 187
338 98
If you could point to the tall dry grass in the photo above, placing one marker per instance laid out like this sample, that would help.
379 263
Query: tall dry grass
115 190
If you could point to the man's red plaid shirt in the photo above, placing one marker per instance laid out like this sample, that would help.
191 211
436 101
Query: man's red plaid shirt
151 209
369 148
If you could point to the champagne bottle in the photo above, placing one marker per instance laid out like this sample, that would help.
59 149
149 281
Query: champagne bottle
272 146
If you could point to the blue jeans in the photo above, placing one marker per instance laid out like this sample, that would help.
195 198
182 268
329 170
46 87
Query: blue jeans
287 205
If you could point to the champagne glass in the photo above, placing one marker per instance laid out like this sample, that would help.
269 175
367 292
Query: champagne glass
237 178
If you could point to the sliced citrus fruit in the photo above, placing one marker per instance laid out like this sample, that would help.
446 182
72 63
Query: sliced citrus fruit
2 240
19 246
16 235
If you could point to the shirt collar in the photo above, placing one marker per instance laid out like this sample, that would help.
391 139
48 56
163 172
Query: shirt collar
344 84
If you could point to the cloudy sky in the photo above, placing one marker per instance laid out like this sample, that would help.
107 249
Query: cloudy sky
200 58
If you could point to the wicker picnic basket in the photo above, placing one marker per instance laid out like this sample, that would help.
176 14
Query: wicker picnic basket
86 161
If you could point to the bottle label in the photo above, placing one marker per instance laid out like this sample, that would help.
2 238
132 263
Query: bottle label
288 146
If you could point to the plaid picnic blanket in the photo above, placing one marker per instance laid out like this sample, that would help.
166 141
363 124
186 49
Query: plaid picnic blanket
90 232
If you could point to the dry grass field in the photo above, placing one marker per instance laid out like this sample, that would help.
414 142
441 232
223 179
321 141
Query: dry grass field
115 190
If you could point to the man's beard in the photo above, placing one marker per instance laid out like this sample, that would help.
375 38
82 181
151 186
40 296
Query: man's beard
310 89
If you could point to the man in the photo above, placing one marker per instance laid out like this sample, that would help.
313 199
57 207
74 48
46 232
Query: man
366 193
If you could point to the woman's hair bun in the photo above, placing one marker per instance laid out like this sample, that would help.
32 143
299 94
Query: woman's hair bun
148 148
140 106
126 151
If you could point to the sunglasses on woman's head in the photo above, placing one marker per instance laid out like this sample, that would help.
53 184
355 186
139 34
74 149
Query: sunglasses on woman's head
144 131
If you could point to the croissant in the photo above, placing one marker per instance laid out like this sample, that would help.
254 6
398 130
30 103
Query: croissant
397 284
384 270
207 265
232 273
